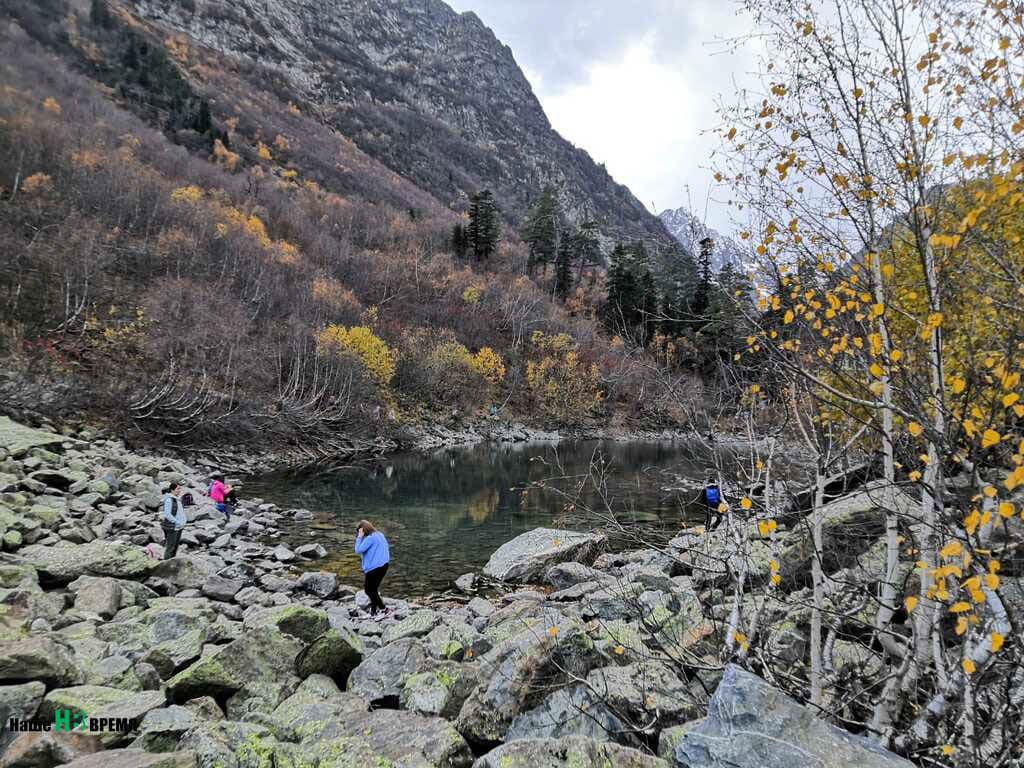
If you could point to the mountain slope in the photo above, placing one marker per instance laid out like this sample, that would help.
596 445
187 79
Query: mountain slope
688 230
427 91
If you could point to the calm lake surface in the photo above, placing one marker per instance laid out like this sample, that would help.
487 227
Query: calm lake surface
445 512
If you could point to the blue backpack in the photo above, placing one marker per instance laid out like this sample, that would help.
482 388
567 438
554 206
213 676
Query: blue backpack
714 496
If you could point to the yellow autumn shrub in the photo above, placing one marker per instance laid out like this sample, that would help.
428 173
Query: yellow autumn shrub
360 342
565 389
488 364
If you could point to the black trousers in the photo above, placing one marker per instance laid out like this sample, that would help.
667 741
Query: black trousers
712 518
172 536
372 587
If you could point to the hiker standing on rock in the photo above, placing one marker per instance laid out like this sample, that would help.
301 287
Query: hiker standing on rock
373 549
714 504
219 493
172 520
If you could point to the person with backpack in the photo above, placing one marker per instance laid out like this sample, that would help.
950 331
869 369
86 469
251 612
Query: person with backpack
373 550
713 504
219 493
172 520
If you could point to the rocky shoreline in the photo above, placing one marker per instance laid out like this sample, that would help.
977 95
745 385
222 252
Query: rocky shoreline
223 657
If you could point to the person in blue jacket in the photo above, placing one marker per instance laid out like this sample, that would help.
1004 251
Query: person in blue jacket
172 520
372 548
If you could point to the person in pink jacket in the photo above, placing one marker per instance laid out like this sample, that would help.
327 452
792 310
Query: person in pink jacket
219 493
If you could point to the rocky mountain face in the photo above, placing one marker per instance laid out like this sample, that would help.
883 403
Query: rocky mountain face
427 91
688 230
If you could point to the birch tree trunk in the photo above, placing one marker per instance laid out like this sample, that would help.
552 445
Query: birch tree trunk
819 589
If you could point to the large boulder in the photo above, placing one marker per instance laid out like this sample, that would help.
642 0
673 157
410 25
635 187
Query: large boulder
520 672
18 439
575 711
417 625
456 641
850 525
38 658
261 654
63 564
134 758
570 752
161 729
569 574
18 702
41 749
186 571
404 739
646 695
316 706
752 725
528 556
334 654
381 676
441 691
99 596
220 588
296 620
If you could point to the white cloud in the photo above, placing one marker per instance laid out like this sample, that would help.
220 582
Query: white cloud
635 84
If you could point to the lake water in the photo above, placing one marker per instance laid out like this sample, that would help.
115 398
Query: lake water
445 512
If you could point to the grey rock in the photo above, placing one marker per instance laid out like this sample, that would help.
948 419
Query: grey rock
20 702
97 558
529 555
161 729
38 658
568 712
441 691
647 695
566 575
478 606
134 758
568 752
186 571
518 673
312 551
466 583
18 439
218 588
281 553
99 596
418 624
381 676
247 596
334 654
319 583
752 725
293 619
262 653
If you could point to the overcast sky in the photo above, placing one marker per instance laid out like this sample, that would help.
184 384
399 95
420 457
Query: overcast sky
634 82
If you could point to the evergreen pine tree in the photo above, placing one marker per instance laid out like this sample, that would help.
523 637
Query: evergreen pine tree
484 227
647 307
619 311
702 296
542 231
203 122
459 241
563 268
588 249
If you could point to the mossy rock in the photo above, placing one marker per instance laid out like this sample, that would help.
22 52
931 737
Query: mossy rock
298 621
335 654
64 564
261 654
417 625
81 699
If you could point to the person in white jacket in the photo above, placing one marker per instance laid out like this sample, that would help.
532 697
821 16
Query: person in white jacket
172 520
